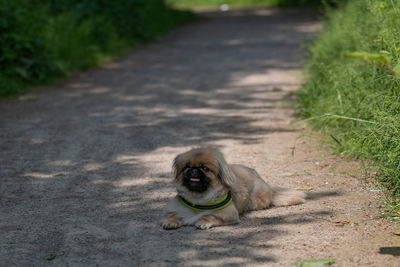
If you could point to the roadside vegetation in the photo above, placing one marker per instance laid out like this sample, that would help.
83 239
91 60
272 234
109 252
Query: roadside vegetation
244 3
353 90
47 39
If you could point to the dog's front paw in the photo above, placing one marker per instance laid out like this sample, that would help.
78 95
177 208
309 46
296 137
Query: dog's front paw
203 226
208 221
171 221
168 225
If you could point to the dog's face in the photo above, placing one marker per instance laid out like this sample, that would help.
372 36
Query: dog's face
196 171
201 170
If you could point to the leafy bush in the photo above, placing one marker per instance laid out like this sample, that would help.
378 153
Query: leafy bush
23 56
353 92
40 40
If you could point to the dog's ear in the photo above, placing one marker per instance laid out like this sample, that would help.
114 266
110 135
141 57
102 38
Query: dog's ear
225 172
179 163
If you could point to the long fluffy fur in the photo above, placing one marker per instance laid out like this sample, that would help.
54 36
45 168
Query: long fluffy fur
282 196
249 191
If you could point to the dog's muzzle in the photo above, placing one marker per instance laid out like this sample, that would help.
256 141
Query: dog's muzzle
195 180
194 175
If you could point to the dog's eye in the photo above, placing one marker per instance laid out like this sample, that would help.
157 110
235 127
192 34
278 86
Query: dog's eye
205 168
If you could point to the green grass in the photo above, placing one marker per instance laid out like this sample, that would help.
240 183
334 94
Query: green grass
243 3
353 93
44 40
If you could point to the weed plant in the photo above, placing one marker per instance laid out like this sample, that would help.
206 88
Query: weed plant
353 90
40 40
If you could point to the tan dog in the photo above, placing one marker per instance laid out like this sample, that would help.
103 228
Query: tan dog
211 192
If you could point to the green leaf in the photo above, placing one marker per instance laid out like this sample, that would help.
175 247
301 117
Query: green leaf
51 257
382 57
396 69
335 139
314 263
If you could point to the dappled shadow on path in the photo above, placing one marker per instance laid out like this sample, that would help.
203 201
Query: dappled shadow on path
84 166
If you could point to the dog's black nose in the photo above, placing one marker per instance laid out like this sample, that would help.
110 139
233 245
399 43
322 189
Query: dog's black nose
194 173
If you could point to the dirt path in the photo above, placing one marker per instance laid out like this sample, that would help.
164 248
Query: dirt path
86 167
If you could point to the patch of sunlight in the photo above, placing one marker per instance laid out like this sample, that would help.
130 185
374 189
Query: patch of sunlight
123 125
252 79
265 12
93 166
37 141
99 90
126 159
113 65
99 114
44 175
310 27
100 182
78 85
73 94
132 182
190 92
139 181
135 97
61 163
273 76
201 110
146 123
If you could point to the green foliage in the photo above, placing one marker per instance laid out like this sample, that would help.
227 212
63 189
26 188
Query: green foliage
353 95
383 57
40 40
23 55
245 3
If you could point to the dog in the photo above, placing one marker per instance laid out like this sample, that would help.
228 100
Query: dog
210 192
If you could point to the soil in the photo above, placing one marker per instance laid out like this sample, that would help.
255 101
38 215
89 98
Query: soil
86 165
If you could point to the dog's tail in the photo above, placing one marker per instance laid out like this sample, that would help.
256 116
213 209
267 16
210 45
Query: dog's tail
282 196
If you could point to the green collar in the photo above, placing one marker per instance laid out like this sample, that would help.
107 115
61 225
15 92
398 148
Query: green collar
217 205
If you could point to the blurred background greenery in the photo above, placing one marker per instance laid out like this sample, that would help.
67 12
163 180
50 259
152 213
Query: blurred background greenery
244 3
42 40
